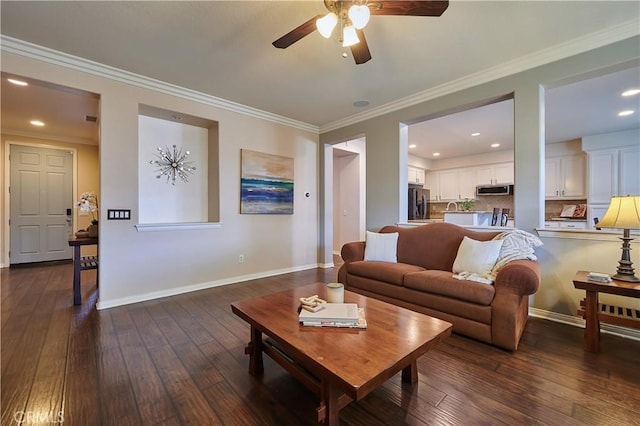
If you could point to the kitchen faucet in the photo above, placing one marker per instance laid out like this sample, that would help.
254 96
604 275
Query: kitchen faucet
449 204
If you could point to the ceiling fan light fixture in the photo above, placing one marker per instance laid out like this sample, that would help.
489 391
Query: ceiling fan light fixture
326 24
359 16
349 36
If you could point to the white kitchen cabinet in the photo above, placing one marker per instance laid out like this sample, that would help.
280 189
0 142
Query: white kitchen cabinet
629 175
432 183
457 184
466 183
448 184
594 212
415 175
602 171
559 224
494 174
565 177
613 172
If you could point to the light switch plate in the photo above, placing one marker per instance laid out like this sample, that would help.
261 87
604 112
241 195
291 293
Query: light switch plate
118 214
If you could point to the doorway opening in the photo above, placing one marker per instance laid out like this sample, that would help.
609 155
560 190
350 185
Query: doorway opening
68 133
345 189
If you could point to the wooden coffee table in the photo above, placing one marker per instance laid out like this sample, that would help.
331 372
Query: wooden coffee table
340 365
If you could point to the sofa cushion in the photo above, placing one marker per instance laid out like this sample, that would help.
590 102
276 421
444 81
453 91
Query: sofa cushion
392 273
477 257
381 247
443 283
433 246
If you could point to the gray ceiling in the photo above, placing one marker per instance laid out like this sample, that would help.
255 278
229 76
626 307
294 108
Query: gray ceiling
224 49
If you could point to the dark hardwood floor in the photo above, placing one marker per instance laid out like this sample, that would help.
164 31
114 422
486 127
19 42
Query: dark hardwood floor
180 360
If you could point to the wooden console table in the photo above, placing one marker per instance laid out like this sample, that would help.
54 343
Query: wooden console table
594 312
81 263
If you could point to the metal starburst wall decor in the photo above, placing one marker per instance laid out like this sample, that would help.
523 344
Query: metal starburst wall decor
172 163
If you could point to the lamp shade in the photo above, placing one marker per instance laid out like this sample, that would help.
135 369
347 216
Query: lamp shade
326 24
623 212
359 16
349 36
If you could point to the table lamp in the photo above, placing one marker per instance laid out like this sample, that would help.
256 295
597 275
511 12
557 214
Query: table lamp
623 212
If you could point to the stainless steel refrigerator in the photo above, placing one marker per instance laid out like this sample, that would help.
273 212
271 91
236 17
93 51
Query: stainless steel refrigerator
418 203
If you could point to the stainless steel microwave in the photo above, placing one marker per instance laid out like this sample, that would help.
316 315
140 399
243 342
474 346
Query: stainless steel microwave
494 190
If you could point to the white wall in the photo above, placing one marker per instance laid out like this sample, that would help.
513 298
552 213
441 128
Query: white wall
138 265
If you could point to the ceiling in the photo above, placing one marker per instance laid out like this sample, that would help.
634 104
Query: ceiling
224 49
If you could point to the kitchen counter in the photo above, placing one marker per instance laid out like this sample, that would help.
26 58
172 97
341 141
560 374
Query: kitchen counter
472 218
473 227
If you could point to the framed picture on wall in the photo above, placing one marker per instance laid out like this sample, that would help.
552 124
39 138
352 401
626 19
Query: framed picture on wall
266 183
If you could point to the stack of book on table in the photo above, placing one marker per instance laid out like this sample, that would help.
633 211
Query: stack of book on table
346 315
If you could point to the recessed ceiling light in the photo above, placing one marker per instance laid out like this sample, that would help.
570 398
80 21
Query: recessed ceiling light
436 154
475 134
37 123
495 145
413 145
626 112
630 92
17 82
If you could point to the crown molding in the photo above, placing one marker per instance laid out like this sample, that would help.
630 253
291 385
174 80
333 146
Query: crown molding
44 54
49 137
557 52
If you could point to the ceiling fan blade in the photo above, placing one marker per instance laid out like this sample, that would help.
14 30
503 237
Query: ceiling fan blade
360 51
408 8
297 33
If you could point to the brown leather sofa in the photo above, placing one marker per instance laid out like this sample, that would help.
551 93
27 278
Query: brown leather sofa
422 280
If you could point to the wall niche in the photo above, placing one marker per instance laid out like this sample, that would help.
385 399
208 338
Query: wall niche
165 201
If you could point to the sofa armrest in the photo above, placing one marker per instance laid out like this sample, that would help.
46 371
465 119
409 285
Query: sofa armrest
521 277
352 252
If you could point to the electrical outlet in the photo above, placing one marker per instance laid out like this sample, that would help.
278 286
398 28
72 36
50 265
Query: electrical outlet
241 258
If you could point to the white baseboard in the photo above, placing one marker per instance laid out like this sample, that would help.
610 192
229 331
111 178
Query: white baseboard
195 287
625 332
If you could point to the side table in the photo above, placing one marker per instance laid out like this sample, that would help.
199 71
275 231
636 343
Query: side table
81 263
593 312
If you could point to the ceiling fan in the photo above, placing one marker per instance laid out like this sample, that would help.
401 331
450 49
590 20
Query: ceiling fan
353 16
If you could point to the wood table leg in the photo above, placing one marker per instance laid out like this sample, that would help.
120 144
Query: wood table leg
330 404
592 329
410 373
254 350
77 297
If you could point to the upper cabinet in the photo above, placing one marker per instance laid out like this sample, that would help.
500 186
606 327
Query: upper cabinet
416 175
613 172
565 177
460 184
432 183
494 174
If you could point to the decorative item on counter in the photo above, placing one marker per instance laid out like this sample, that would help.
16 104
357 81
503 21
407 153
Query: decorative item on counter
88 203
568 210
504 219
494 217
580 211
467 204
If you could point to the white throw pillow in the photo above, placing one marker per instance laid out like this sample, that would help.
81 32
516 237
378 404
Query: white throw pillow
477 256
381 247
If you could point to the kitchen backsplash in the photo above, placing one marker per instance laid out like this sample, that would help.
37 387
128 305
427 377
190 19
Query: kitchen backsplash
484 203
553 208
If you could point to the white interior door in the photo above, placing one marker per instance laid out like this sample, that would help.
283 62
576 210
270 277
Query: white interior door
41 194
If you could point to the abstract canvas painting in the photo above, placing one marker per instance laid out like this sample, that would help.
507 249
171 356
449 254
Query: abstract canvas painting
266 183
